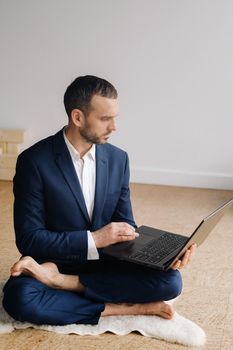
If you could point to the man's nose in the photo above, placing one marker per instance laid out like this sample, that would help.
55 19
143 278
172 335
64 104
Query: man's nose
112 126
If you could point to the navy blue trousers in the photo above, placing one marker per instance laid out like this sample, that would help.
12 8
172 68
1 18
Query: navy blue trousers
26 299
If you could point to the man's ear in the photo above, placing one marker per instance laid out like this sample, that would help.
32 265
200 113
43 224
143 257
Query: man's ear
77 117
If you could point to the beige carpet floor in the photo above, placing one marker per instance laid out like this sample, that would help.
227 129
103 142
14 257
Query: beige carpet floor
207 297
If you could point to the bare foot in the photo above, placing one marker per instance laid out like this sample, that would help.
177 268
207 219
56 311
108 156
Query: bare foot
158 308
46 273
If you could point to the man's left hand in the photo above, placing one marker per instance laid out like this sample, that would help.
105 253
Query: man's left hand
186 258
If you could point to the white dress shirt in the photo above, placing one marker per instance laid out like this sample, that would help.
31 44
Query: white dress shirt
86 171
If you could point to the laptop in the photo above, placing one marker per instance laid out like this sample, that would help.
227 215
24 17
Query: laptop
161 249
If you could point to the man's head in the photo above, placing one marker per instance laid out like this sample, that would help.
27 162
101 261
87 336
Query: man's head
91 104
79 93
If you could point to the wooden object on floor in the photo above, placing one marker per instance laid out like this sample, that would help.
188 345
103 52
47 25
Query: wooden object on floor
10 140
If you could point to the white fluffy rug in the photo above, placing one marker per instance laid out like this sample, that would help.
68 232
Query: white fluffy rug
178 330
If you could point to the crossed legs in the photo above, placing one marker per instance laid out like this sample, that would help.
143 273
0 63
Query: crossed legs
49 275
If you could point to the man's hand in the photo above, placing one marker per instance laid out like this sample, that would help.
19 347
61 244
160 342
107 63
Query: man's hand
113 233
186 258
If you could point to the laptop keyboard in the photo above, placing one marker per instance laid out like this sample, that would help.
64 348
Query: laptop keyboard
158 249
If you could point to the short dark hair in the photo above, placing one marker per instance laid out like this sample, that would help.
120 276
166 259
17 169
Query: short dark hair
80 92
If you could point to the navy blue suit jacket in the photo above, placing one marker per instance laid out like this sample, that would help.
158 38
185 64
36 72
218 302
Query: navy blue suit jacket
50 215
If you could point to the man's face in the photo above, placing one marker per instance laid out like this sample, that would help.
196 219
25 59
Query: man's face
100 122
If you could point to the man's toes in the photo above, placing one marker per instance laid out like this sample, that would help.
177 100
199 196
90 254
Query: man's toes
16 273
22 266
168 310
14 267
168 316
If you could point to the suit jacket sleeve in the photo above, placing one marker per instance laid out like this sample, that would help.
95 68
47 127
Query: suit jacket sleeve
123 211
32 236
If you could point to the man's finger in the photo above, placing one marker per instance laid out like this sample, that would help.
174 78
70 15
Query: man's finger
192 251
135 234
129 234
176 265
127 231
185 259
126 238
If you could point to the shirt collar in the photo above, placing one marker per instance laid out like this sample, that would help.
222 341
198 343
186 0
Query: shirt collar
75 155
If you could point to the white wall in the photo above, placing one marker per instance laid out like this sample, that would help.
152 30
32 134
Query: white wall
171 61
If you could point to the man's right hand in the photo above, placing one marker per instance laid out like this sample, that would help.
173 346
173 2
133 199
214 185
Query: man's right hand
113 233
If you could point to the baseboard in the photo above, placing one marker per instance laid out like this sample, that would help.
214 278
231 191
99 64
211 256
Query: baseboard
182 178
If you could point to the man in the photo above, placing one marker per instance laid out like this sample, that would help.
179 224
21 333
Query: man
72 199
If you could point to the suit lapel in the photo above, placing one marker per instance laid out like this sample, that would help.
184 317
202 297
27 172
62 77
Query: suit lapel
65 164
101 183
